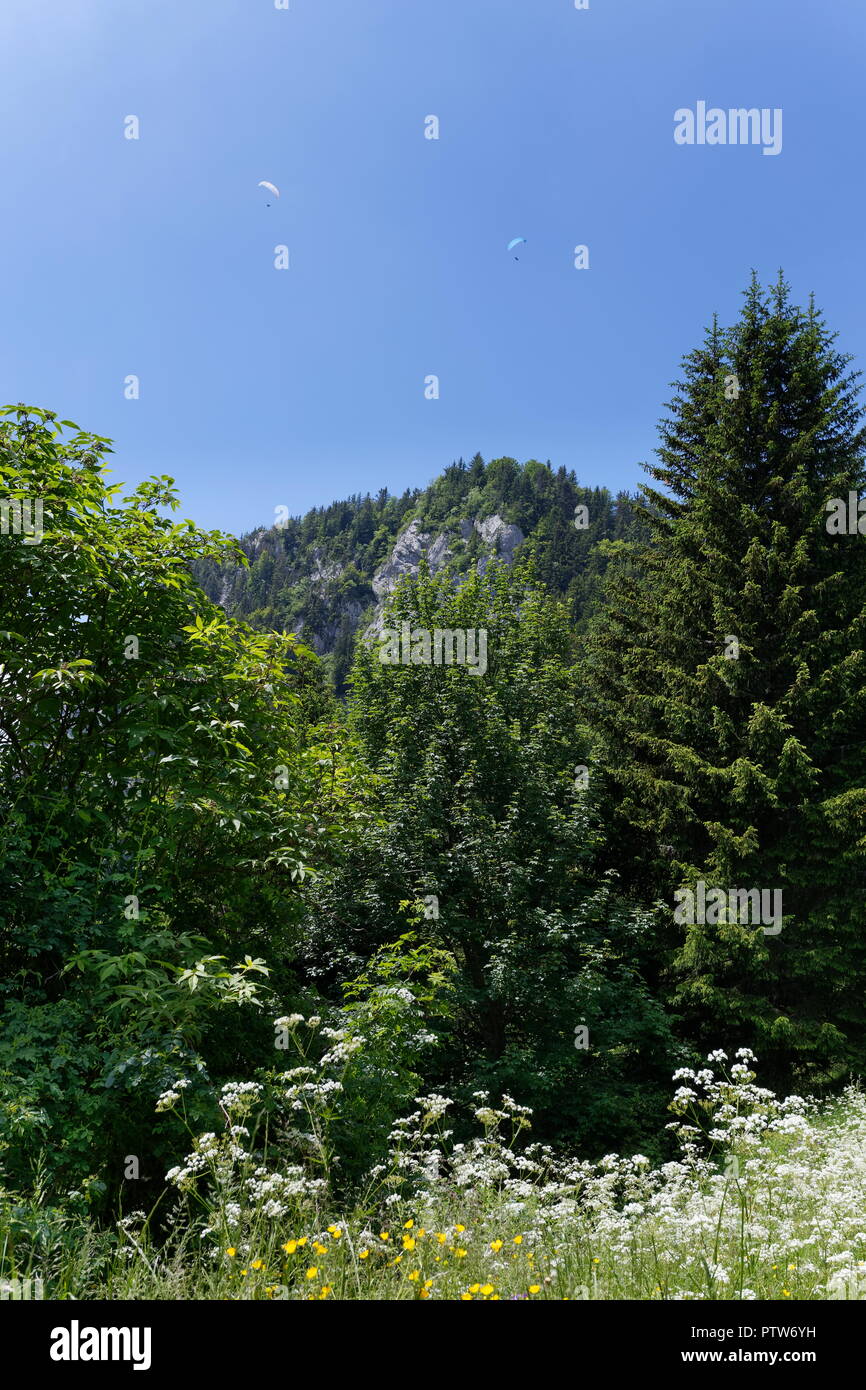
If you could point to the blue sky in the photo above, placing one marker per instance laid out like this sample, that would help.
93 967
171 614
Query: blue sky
261 388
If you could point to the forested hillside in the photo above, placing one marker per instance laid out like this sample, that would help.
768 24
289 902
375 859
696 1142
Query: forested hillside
325 575
378 991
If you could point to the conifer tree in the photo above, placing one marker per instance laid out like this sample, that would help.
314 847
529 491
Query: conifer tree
727 677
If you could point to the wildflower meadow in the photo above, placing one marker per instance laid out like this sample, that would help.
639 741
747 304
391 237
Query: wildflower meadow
765 1200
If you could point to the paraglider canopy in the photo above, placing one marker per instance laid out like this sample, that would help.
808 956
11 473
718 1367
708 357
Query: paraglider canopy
516 242
263 183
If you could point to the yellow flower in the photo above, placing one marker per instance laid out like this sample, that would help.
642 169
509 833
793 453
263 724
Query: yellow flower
466 1297
231 1252
596 1260
383 1235
460 1254
460 1228
326 1289
790 1267
786 1293
407 1225
416 1274
319 1248
428 1283
335 1231
302 1241
474 1288
258 1264
364 1255
535 1288
408 1243
290 1247
496 1245
424 1293
442 1238
486 1289
518 1240
312 1272
243 1271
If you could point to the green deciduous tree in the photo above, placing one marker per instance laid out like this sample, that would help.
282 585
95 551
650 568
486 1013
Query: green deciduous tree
486 843
164 784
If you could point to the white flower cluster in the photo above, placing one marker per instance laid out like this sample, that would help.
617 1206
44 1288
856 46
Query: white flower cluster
276 1194
768 1192
170 1098
306 1094
240 1094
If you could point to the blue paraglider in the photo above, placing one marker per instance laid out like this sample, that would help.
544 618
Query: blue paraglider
516 242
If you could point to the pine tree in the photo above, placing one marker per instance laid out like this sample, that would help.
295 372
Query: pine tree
726 676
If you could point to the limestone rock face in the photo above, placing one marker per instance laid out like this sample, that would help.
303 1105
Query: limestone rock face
405 558
321 572
438 553
502 536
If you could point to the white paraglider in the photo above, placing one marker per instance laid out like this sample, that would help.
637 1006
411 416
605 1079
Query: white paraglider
272 187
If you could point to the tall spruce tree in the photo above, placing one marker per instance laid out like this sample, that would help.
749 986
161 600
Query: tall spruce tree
727 677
